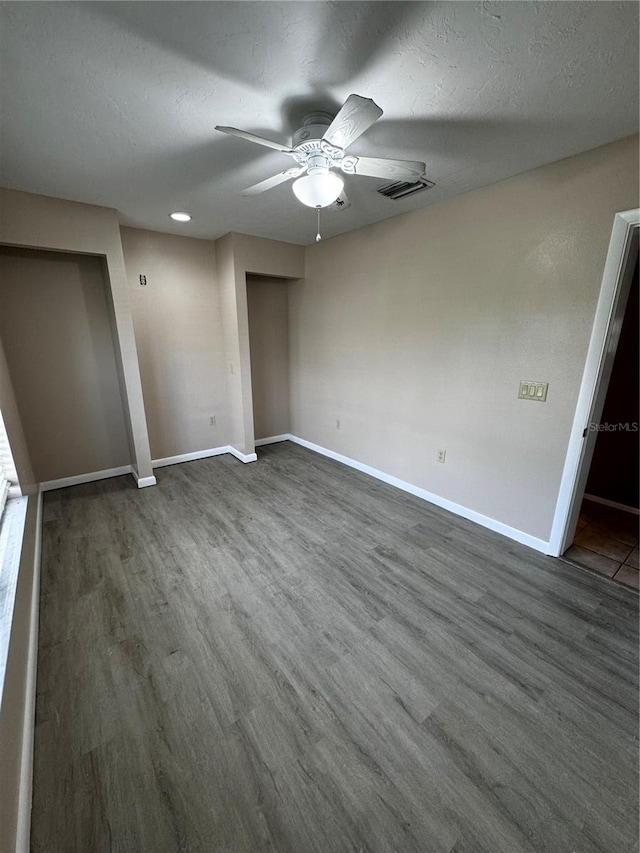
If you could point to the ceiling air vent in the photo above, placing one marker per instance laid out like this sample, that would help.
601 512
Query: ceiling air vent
402 189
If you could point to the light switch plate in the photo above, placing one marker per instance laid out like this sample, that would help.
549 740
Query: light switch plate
533 390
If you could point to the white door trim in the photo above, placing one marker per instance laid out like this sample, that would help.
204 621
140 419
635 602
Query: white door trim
597 370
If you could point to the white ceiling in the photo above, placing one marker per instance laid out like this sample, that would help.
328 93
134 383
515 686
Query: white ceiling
115 103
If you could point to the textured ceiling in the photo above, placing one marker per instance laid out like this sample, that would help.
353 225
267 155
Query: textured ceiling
115 103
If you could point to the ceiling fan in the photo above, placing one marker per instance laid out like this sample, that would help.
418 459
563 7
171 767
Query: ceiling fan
319 146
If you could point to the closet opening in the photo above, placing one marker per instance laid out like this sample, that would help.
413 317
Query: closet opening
269 354
57 330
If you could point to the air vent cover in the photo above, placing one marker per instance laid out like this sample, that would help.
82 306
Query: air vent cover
402 189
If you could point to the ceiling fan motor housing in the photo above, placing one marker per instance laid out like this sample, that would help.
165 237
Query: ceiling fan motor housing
310 149
317 164
307 138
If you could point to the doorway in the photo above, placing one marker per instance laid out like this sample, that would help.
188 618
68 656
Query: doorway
571 520
269 353
606 538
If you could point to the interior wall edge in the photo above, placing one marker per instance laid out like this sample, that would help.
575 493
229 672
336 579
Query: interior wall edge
15 429
237 256
17 717
23 834
143 482
41 222
127 351
243 457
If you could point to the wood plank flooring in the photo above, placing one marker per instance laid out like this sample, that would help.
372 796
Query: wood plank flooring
290 656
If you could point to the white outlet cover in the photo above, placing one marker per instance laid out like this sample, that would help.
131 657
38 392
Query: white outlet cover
530 390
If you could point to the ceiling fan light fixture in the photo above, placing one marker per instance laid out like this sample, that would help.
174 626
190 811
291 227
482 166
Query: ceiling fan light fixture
318 190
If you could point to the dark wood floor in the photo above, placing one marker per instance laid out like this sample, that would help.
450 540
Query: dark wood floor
292 657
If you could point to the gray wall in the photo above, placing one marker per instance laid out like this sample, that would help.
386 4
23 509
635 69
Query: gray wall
55 328
269 345
414 333
178 333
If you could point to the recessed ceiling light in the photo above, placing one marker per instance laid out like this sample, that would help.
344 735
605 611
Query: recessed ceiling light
180 217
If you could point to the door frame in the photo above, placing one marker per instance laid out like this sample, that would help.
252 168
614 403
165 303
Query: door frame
614 291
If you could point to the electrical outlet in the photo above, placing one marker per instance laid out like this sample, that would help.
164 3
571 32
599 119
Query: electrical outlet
337 424
212 420
441 455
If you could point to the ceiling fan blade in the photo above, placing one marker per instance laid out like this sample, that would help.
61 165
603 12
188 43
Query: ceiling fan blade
251 137
356 115
269 183
379 167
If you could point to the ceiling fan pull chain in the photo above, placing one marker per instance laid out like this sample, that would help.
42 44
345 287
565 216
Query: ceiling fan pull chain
318 236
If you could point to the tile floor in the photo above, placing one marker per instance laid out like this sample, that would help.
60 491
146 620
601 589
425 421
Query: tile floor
606 541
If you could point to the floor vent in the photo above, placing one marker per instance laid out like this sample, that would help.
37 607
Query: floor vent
402 189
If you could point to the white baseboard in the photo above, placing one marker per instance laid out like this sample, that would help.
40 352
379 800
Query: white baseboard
272 439
450 506
614 504
143 482
457 509
25 791
243 457
189 457
49 485
205 454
